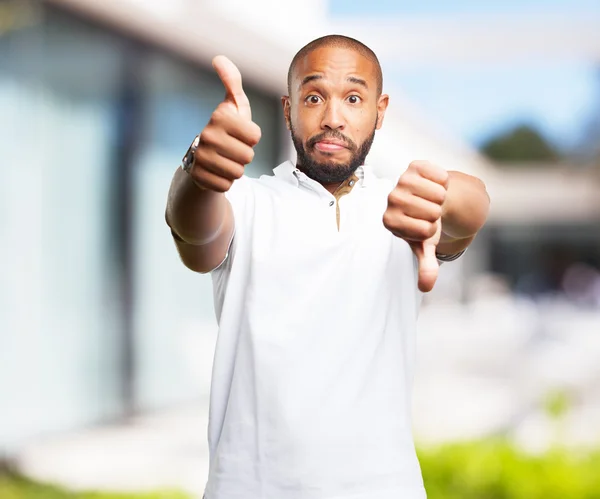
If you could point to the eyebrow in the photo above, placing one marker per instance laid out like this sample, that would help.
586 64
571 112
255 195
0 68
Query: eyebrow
351 79
309 78
358 81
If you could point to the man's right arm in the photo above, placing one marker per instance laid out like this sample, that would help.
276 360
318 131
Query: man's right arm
198 213
201 222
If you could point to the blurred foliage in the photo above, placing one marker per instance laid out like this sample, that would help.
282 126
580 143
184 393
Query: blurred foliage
13 486
557 404
495 469
521 144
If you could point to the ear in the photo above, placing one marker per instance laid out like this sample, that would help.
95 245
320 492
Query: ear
382 105
285 102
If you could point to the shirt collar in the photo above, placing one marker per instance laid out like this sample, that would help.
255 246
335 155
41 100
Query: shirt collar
288 172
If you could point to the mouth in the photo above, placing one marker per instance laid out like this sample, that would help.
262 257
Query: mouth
330 146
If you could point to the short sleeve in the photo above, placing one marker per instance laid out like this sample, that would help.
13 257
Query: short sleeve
240 198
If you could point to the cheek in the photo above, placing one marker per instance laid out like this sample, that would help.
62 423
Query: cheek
363 123
305 122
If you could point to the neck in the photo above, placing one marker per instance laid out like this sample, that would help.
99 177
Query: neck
332 187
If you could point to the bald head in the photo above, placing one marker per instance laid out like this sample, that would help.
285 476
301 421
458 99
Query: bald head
337 41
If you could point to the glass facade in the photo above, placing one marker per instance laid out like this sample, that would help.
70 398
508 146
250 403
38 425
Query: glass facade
97 314
173 304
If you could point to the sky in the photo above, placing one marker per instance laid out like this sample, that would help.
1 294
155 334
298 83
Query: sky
478 102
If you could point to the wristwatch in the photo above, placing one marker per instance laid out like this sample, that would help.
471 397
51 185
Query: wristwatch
187 163
449 258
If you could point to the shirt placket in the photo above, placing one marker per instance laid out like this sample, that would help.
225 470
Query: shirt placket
333 200
341 191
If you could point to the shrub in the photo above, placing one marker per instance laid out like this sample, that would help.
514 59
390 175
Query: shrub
495 469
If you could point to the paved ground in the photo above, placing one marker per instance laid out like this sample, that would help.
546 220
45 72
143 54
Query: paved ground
482 369
166 450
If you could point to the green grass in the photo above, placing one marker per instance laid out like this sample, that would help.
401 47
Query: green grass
495 469
15 487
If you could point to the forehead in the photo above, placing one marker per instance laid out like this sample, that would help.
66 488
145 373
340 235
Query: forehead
334 63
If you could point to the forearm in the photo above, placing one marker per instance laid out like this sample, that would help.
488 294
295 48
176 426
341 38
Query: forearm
464 212
193 214
201 221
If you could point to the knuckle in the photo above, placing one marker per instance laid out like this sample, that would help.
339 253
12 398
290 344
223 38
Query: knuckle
418 163
403 181
216 184
421 233
397 197
421 230
255 134
208 137
429 230
221 113
237 172
220 117
217 116
225 184
200 156
409 180
248 155
198 177
435 213
388 219
440 195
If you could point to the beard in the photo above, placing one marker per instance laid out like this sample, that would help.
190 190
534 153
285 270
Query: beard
330 172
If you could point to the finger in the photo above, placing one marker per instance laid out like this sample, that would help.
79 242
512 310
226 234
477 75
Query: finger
209 180
213 162
246 131
410 229
224 145
431 172
421 209
232 81
428 265
424 188
236 125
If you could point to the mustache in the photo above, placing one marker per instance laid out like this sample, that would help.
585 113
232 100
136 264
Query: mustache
331 134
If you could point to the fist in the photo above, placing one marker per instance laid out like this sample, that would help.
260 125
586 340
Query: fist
227 142
414 213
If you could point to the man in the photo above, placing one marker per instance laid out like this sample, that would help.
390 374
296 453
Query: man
316 274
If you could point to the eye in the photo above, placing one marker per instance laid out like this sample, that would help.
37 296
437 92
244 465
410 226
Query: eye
313 99
354 99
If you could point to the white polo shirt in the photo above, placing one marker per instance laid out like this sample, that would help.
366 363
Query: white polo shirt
311 385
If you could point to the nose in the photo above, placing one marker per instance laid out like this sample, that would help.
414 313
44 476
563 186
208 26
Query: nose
333 118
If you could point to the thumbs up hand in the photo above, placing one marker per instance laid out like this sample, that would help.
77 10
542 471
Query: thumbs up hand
226 143
414 213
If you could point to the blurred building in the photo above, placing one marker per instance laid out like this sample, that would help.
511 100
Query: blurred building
545 222
97 315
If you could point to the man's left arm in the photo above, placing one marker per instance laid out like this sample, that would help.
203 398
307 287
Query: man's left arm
464 212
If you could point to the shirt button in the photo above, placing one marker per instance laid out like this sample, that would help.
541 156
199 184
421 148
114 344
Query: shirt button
331 203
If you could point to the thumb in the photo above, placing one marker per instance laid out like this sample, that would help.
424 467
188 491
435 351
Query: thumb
428 264
232 81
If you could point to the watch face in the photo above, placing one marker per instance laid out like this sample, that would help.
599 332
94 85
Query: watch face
188 159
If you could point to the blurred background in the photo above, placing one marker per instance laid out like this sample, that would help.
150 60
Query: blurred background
106 340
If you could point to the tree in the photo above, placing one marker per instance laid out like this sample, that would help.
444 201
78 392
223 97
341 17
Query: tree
523 143
589 146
